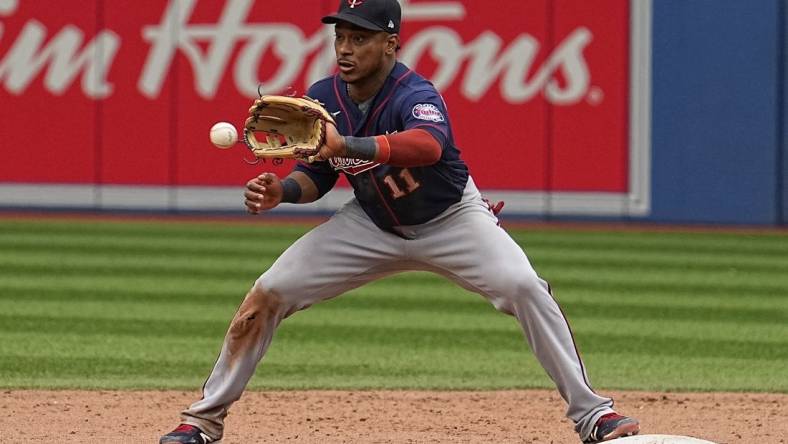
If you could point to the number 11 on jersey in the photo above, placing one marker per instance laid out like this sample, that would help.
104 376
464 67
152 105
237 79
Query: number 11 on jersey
407 182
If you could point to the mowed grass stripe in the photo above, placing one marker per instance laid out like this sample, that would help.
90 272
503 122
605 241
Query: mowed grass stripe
649 284
89 259
270 246
81 260
164 228
153 368
619 281
406 372
137 255
467 338
711 299
146 246
37 292
388 301
184 248
421 291
438 297
614 243
138 269
659 262
393 294
335 313
574 256
391 300
355 370
325 315
292 364
732 243
400 303
62 234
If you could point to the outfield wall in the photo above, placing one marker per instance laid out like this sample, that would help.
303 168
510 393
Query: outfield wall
667 110
784 130
719 110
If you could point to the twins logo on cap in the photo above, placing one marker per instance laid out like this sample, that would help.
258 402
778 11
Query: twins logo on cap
375 15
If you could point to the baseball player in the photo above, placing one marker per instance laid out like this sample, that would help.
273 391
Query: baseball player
415 208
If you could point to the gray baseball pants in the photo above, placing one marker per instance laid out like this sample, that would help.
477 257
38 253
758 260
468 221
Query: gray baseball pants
464 244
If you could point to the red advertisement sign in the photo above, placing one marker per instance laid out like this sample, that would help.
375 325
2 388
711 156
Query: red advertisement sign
107 92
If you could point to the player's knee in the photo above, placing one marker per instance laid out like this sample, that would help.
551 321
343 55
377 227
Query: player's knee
532 286
524 287
276 292
256 310
503 305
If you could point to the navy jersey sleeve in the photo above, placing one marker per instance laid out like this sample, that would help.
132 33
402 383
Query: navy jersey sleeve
322 174
426 110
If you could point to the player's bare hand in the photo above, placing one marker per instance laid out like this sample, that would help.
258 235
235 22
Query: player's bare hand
263 193
334 146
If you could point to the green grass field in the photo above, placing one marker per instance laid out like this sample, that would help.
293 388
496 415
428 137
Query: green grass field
110 304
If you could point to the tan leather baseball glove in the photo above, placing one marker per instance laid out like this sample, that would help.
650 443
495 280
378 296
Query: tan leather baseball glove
286 124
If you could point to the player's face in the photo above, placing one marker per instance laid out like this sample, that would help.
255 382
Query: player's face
361 53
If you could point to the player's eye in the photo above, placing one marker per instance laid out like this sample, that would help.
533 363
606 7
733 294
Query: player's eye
359 39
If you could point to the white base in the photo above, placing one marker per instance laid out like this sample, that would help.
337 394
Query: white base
660 439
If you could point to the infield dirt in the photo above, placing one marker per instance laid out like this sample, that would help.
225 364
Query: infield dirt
516 416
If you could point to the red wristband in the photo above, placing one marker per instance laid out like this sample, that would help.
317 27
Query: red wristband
384 149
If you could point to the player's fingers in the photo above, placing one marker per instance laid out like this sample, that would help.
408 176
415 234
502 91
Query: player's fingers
253 196
266 178
252 207
319 157
254 185
304 153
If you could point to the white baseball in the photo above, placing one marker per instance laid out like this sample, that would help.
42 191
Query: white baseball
223 135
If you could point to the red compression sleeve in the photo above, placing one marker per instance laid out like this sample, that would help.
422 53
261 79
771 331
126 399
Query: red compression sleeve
411 148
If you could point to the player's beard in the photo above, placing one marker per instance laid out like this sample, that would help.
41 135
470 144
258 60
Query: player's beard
368 81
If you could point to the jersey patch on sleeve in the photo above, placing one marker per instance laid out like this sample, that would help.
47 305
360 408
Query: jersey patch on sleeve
428 111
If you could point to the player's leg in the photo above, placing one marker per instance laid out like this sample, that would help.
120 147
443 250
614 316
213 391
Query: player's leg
344 253
473 251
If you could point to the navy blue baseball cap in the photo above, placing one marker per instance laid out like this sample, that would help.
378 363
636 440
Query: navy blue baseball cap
375 15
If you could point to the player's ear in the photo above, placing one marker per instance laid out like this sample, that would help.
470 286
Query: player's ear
392 44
